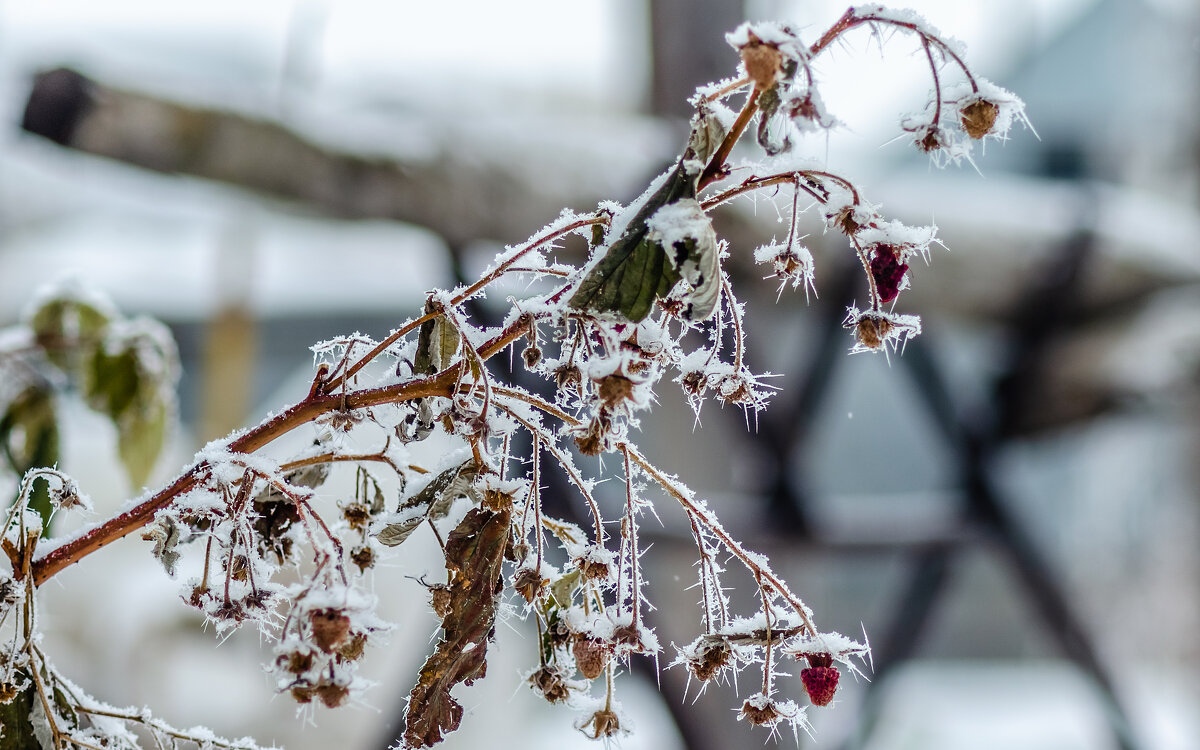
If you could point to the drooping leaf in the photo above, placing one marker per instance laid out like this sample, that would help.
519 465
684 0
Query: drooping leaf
687 234
474 555
437 343
165 534
129 380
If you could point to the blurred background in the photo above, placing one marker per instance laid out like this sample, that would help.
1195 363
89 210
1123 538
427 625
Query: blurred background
1009 511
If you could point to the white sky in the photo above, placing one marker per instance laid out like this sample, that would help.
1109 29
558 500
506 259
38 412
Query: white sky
588 51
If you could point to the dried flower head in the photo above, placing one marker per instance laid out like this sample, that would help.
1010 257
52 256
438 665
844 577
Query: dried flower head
550 682
529 583
709 658
602 723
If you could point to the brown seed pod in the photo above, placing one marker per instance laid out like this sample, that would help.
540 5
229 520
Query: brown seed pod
593 570
760 715
763 63
439 599
332 695
872 331
931 140
295 662
363 557
354 648
603 723
528 583
711 660
979 117
532 356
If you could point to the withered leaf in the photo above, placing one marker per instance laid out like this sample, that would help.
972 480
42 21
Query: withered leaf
474 554
433 501
437 343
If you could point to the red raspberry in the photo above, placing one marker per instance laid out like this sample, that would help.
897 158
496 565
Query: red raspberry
821 683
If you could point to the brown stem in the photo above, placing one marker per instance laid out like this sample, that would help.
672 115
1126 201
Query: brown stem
49 564
716 166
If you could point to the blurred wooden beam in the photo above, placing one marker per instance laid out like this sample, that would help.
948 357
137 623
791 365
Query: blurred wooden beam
465 191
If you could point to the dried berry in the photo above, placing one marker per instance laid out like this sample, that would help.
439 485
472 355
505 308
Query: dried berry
568 376
979 117
593 570
759 711
930 140
363 557
532 356
331 629
357 515
354 649
295 662
613 389
872 330
591 656
887 271
332 694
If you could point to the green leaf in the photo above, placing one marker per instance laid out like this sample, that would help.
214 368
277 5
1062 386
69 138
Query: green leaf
30 439
68 330
125 382
15 720
635 270
140 436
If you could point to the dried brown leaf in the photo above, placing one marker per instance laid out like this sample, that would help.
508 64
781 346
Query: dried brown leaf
474 554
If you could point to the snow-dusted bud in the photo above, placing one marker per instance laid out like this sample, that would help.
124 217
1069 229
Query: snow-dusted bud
978 117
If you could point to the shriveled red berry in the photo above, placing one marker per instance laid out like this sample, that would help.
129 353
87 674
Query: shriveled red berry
820 683
888 271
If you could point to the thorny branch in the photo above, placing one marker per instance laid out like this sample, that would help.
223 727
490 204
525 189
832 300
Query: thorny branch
601 338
